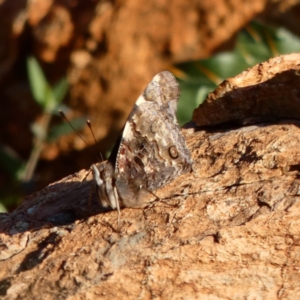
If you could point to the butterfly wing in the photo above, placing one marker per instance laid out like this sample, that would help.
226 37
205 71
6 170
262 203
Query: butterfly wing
152 150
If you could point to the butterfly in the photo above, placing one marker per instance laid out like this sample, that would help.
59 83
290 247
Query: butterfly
151 151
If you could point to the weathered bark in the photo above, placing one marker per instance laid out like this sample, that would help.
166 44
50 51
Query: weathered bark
228 230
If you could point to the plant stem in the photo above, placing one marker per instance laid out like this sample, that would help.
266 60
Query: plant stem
37 149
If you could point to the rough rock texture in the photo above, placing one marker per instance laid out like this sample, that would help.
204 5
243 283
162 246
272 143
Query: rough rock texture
266 91
228 230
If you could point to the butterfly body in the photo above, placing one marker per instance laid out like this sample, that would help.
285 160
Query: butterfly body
151 152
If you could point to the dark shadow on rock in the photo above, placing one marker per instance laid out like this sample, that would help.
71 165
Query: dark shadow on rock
58 204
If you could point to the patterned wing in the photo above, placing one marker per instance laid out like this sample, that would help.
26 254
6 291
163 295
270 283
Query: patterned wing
152 150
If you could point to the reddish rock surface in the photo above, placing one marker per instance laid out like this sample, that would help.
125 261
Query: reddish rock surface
228 230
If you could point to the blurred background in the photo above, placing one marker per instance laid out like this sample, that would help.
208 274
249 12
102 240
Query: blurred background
92 58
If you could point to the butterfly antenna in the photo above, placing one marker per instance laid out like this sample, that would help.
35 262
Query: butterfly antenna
66 120
89 124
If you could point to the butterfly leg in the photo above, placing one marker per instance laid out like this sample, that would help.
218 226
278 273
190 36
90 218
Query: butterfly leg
118 205
152 201
113 198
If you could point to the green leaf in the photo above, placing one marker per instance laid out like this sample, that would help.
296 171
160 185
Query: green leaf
2 208
60 90
48 98
50 102
191 96
287 42
37 80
